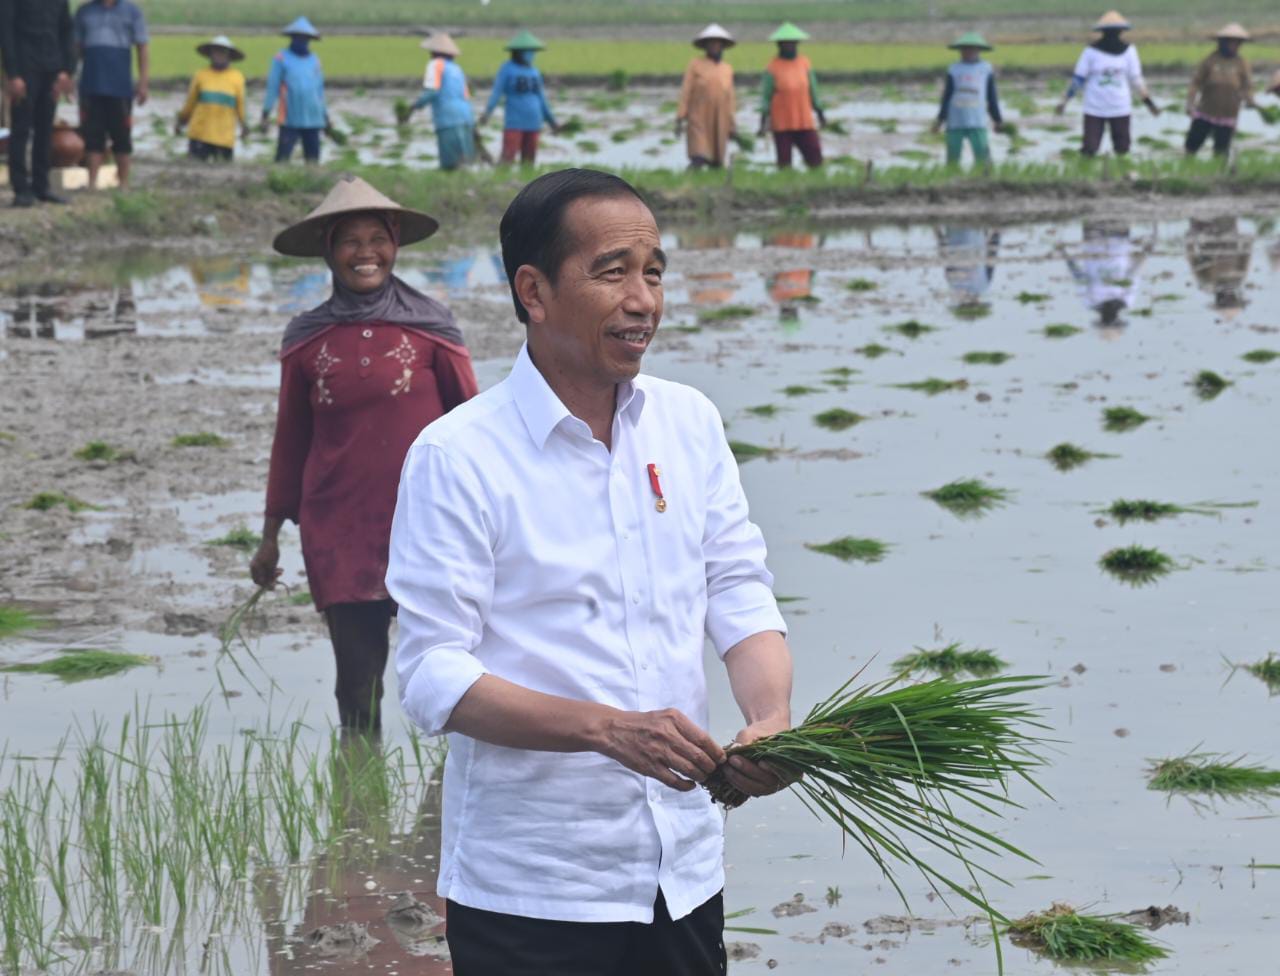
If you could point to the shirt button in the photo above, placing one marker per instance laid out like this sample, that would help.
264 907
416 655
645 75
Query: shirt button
364 360
367 333
626 536
644 667
636 599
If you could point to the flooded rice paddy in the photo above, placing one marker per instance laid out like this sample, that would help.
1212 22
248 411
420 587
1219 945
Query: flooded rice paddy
879 322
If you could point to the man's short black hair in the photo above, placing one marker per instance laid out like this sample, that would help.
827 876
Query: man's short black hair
532 230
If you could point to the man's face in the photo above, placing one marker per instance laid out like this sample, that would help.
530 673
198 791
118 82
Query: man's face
597 317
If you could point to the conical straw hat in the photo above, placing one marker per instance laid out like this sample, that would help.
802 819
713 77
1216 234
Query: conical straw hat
970 39
1111 20
302 26
714 32
221 41
440 42
788 32
306 238
1233 32
525 41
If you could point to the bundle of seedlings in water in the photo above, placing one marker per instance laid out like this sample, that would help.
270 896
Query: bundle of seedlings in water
725 313
1060 330
911 329
241 537
1063 933
933 386
1066 456
896 766
837 418
987 358
201 439
1145 510
1267 671
1209 384
1136 565
231 635
745 141
850 549
873 350
1120 419
744 451
952 660
1270 114
46 501
969 497
1031 297
403 111
80 664
861 284
1213 774
1261 356
16 620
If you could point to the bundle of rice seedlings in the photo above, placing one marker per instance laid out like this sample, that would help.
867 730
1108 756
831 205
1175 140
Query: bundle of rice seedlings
799 389
231 634
1145 510
81 664
969 497
1066 456
911 329
970 311
45 501
97 451
1119 419
895 765
202 439
1261 356
1031 297
837 418
849 549
1267 671
764 410
241 537
725 313
1063 933
987 358
745 141
744 451
1270 113
403 111
1208 384
873 350
951 660
1136 565
572 126
861 284
933 386
1213 774
1060 330
16 620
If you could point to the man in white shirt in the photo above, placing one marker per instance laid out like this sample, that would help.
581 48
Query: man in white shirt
562 545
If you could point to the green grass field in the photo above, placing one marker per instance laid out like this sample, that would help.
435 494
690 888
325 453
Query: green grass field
386 57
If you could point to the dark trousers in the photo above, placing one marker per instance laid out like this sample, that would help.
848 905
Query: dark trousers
492 944
806 140
32 121
1200 130
1094 126
288 139
359 635
207 152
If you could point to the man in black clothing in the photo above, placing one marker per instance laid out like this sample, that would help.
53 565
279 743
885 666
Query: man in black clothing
38 57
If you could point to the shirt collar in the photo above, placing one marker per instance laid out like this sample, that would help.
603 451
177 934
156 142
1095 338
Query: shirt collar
543 411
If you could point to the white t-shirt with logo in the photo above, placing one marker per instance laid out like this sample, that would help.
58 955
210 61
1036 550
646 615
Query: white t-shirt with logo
1109 80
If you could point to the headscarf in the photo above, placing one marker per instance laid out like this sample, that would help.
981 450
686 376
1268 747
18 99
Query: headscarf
394 303
1110 42
300 44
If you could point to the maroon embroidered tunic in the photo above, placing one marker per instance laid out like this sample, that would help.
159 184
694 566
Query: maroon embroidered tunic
352 399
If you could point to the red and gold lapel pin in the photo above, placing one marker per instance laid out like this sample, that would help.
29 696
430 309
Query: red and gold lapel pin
656 485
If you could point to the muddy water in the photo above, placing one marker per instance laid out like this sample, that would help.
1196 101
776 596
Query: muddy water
1137 673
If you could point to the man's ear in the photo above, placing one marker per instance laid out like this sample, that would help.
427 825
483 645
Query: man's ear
532 288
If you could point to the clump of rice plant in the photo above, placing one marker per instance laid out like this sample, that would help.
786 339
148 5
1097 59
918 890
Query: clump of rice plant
45 501
1270 114
300 599
81 664
1119 419
896 765
987 358
97 451
1267 671
842 373
764 410
1136 565
1031 297
241 537
1060 330
851 549
201 439
1213 774
969 497
725 313
873 350
1261 356
933 386
1066 456
572 126
1208 384
970 311
17 620
837 418
799 389
952 660
861 284
911 329
1145 510
587 145
1065 934
743 451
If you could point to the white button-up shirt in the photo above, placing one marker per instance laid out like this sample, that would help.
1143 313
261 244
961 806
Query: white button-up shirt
522 547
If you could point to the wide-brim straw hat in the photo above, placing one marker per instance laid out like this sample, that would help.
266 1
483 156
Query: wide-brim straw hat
525 41
302 26
441 43
351 195
1111 20
224 42
788 32
714 32
1233 32
971 39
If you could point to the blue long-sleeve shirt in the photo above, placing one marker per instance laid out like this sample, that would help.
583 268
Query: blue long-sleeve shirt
526 101
444 88
302 81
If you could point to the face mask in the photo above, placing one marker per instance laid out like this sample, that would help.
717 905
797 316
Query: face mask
526 57
300 45
788 55
1224 48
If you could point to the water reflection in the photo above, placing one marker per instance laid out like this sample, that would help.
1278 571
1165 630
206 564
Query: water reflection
969 264
1219 255
709 288
792 285
1108 269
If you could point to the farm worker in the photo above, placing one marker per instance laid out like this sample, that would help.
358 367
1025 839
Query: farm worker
969 254
215 104
444 88
360 375
707 101
1221 83
789 100
296 81
38 56
1219 255
107 34
968 97
1109 72
519 85
1108 272
562 546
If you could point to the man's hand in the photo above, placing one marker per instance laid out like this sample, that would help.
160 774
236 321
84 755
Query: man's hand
937 127
264 125
758 778
665 745
141 91
1060 108
17 89
265 565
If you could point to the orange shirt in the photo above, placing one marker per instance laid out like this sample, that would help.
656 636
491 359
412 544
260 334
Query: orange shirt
791 107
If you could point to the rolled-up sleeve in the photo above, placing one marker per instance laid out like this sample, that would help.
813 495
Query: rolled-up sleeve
740 601
440 573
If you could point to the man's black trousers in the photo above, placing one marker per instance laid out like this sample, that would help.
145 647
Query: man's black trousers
32 121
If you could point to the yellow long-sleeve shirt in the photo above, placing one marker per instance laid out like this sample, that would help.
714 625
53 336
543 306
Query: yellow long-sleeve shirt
215 104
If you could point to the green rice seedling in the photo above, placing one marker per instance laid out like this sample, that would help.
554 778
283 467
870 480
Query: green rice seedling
1208 384
841 373
1261 356
799 389
1120 419
933 386
851 549
1136 565
1267 670
1031 297
1066 456
241 537
1063 933
745 141
873 350
970 311
836 127
1270 114
1213 774
16 620
47 500
572 126
588 145
861 284
725 313
743 451
952 660
300 599
622 135
231 635
80 664
987 358
911 329
764 410
1060 330
97 451
837 418
201 439
1125 510
969 498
